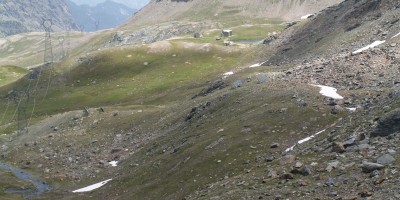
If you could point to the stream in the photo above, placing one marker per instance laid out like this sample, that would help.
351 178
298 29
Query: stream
40 186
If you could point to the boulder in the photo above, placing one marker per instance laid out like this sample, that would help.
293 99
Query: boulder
387 125
287 159
369 167
385 159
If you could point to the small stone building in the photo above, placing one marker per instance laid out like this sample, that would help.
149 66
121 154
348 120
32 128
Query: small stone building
226 33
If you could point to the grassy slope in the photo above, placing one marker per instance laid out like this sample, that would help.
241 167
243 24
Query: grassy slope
178 163
9 74
121 76
249 116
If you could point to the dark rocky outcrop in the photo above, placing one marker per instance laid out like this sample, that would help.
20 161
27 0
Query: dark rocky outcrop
388 125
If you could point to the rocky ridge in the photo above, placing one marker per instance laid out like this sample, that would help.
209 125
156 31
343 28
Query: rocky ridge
18 16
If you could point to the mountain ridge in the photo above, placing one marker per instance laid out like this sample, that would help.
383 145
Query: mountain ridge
108 14
18 16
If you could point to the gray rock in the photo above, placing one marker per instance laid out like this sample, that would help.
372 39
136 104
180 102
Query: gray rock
307 170
385 159
286 176
391 151
332 165
287 159
118 37
333 193
272 174
388 125
274 145
298 164
350 142
369 167
270 159
278 197
330 182
374 173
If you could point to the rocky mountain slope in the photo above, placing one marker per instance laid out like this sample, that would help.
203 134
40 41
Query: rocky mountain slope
101 16
310 113
342 29
19 16
225 11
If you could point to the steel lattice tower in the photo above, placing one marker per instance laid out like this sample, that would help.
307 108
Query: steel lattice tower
48 48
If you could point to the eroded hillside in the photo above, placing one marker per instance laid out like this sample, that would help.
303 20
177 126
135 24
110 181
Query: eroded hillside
311 112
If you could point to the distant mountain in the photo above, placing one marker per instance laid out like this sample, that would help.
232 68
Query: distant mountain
102 16
19 16
135 4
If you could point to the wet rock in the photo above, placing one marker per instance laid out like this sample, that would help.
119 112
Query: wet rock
388 125
369 167
385 159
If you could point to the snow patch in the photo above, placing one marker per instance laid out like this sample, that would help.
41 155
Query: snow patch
374 44
113 163
257 65
304 140
306 16
351 109
228 74
328 91
396 35
92 187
